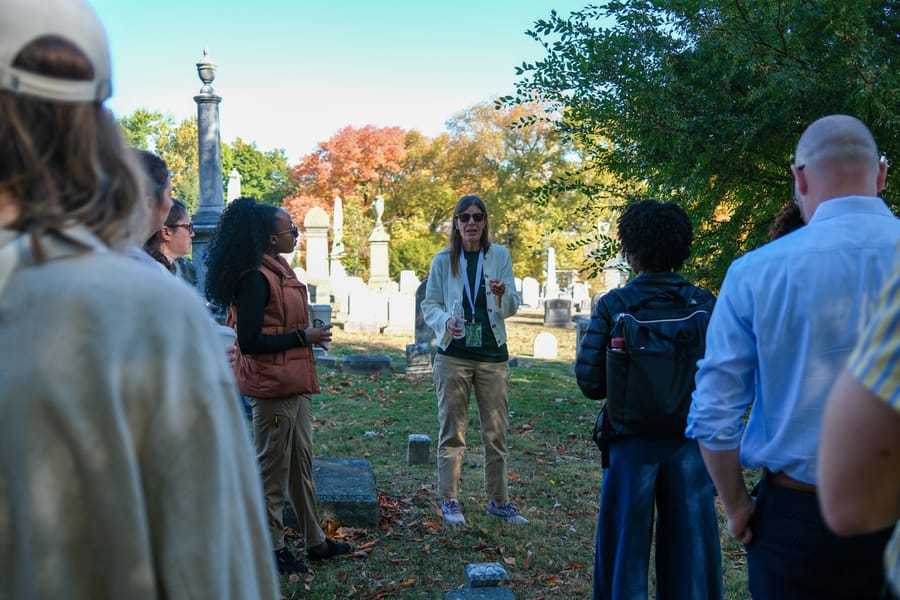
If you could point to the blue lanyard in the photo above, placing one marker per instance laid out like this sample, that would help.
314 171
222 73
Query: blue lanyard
462 267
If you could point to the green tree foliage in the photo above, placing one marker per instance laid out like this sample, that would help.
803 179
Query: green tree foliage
701 102
179 149
264 175
142 129
505 155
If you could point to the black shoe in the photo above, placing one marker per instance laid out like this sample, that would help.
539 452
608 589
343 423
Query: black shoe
288 563
327 549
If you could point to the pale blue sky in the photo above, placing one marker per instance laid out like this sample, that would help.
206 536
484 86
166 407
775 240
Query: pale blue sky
292 73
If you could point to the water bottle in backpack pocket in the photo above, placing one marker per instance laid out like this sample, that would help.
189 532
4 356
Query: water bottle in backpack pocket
650 373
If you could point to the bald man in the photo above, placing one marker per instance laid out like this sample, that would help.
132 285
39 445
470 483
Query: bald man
787 318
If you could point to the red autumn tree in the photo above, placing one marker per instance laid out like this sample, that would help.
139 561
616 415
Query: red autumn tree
355 164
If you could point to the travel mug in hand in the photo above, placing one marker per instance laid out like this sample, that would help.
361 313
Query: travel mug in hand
320 316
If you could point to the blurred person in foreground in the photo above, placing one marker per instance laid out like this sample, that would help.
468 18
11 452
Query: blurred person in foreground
859 453
788 315
275 367
125 471
476 275
159 200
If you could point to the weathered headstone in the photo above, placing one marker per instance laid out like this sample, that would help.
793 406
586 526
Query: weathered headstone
345 494
484 581
365 314
531 292
581 296
419 358
558 312
546 346
408 282
366 364
344 295
418 449
424 332
315 226
420 355
481 575
595 299
581 326
401 315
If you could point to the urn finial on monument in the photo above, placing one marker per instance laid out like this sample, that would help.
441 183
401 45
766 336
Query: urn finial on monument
209 164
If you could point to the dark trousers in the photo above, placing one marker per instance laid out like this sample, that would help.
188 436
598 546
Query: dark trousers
665 479
794 555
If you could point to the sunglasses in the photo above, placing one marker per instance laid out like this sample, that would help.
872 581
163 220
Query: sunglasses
466 217
293 231
188 226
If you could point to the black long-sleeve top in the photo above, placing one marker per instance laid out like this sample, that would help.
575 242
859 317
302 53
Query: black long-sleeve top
251 299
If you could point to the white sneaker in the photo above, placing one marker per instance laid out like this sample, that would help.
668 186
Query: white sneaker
452 511
506 512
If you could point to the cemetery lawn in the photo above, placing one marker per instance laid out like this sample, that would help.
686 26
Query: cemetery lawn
554 481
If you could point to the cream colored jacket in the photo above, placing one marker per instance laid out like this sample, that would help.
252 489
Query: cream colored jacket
125 466
442 289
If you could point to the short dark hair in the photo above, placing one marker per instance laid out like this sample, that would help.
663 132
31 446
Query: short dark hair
656 236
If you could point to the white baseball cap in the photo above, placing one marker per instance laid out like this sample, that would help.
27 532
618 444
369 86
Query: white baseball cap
23 21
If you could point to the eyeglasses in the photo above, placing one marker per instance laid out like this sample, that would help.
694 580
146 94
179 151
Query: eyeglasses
466 217
293 231
188 226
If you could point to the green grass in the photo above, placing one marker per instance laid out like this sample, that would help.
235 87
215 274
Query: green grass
554 473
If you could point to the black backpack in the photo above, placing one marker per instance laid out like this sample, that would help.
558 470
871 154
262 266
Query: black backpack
649 382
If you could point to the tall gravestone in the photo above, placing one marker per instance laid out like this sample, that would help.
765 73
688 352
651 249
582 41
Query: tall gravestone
379 273
551 289
233 189
337 273
209 147
315 227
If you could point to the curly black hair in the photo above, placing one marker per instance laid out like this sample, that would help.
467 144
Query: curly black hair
237 246
787 220
655 236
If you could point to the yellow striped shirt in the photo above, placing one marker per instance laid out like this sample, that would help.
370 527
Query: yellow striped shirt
876 364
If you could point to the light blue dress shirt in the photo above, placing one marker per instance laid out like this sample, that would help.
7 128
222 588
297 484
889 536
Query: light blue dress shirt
787 318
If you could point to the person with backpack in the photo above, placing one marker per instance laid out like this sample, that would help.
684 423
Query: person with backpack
640 353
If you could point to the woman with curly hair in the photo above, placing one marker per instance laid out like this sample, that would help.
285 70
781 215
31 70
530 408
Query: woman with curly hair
126 471
275 367
651 474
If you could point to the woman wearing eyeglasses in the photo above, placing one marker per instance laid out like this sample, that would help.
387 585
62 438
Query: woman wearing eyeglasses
275 366
173 240
477 276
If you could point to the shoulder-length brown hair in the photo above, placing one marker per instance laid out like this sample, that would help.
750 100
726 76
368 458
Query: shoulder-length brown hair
455 241
65 162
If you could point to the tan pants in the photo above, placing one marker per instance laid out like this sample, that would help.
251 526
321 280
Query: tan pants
282 429
454 380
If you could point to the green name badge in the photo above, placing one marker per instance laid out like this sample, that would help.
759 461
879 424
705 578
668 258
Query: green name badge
473 335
